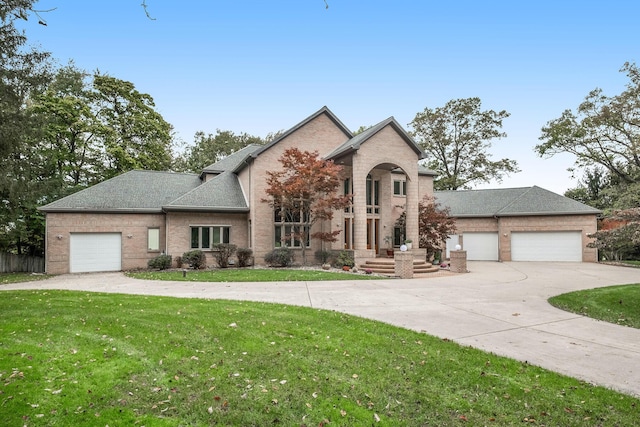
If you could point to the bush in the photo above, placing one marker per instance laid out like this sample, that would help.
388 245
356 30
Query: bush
345 258
323 256
244 256
195 259
280 257
179 261
222 253
161 262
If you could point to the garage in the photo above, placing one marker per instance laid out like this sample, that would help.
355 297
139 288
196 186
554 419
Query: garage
95 252
480 246
546 246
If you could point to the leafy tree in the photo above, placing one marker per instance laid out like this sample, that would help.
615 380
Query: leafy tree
304 192
134 135
23 73
456 139
604 131
208 149
591 189
435 224
72 132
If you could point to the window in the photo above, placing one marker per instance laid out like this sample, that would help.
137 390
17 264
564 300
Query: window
399 188
153 239
207 236
373 195
288 224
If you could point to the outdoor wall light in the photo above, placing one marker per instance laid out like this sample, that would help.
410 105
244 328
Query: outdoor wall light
129 236
59 236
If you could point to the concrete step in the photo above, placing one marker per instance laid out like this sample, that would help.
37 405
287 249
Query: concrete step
386 266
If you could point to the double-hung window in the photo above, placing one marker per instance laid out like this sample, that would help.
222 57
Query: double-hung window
205 237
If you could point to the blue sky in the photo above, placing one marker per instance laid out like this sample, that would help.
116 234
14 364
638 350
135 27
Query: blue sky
263 66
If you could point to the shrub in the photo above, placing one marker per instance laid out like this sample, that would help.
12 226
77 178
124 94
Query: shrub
179 261
280 257
244 256
222 253
323 256
161 262
195 259
345 258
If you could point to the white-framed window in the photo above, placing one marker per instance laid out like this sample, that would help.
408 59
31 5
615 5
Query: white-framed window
153 239
399 187
204 237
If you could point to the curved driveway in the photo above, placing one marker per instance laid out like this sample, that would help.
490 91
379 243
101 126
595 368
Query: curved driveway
497 307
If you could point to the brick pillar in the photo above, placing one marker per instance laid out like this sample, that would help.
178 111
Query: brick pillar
458 261
403 264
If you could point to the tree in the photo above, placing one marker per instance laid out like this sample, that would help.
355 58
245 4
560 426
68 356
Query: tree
456 139
435 224
304 192
208 149
604 131
591 189
134 135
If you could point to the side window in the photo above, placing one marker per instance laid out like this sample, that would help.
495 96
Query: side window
399 188
153 239
204 237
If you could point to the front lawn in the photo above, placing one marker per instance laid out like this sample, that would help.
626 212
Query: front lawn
615 304
90 359
21 277
251 275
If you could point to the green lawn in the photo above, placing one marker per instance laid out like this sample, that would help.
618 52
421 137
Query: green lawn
90 359
614 304
251 275
21 277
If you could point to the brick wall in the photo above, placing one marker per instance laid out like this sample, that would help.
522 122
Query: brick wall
135 253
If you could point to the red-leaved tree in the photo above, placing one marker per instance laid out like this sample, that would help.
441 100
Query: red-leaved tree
435 224
303 192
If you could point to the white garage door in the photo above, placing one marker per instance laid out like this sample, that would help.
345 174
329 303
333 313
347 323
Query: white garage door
480 246
546 246
95 252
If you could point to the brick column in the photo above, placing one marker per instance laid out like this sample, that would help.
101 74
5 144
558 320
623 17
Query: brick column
458 261
403 264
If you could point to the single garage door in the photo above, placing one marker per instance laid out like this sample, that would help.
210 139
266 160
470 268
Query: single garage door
95 252
480 246
546 246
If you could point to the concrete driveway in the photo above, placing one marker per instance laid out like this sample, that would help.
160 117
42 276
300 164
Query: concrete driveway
497 307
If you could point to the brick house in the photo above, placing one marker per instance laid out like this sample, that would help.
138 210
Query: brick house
123 222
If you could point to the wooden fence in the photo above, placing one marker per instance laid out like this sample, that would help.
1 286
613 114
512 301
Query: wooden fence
11 263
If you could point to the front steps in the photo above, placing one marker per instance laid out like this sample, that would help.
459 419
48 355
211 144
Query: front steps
387 266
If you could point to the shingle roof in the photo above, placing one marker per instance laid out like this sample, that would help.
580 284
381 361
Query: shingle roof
510 202
138 191
354 143
232 161
221 193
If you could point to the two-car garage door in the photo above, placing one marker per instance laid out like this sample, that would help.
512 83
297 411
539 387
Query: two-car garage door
546 246
95 252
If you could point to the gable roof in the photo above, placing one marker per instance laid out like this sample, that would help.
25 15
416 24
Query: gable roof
133 191
221 193
324 110
523 201
354 143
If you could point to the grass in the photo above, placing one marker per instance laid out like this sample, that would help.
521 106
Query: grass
74 358
21 277
633 263
615 304
250 275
